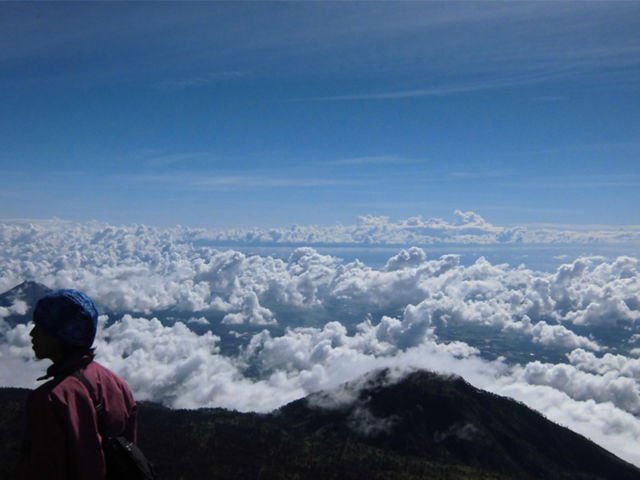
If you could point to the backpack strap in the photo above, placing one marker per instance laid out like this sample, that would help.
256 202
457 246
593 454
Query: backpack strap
127 460
97 403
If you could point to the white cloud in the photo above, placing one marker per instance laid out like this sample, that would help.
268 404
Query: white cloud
412 257
612 387
603 423
466 228
591 291
175 366
546 334
589 362
141 269
198 321
401 311
362 421
466 431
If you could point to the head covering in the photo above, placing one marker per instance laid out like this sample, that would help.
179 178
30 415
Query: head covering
68 315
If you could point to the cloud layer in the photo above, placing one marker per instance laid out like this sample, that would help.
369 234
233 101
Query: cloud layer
466 228
141 269
312 322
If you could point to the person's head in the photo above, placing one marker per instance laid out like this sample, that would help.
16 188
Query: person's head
65 324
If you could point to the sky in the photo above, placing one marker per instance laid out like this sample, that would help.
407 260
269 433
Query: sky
310 123
218 114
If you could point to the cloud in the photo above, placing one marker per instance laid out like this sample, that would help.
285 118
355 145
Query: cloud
590 363
465 431
466 228
603 423
143 269
614 387
583 182
218 181
179 368
423 35
336 321
161 159
452 89
411 257
198 321
546 334
370 160
251 312
591 291
362 421
201 80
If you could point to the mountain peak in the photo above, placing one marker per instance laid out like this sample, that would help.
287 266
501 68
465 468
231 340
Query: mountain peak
383 425
446 419
28 292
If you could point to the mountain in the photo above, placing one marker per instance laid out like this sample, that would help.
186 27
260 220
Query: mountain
423 426
12 421
29 292
448 421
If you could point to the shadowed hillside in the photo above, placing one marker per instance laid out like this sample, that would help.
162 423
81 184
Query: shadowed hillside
423 426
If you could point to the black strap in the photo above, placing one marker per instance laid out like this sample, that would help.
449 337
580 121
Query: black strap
97 404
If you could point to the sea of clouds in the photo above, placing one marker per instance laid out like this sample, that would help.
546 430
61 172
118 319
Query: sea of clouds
466 228
312 322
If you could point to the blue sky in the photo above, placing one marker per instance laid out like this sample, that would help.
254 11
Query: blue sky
272 114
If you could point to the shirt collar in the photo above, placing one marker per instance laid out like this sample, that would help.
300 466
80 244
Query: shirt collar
68 366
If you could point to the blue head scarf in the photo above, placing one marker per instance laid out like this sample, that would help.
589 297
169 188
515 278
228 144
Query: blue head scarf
68 315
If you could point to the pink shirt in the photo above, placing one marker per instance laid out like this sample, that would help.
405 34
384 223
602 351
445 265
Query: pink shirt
62 441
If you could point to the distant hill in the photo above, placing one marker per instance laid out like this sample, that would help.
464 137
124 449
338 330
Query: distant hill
425 426
29 292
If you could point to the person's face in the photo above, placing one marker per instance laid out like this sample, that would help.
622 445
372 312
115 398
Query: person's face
44 345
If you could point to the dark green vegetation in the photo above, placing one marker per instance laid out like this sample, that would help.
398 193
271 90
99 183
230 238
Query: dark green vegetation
12 421
424 426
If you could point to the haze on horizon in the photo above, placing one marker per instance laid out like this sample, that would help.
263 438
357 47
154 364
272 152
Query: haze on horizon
226 114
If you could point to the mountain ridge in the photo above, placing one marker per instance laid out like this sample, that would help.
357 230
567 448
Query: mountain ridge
28 292
420 425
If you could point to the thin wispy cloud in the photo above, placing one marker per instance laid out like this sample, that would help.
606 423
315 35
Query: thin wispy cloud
173 158
202 80
524 211
587 182
248 181
608 56
442 90
473 174
432 36
158 157
369 160
239 182
574 148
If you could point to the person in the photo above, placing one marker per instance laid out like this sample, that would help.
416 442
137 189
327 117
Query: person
63 438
